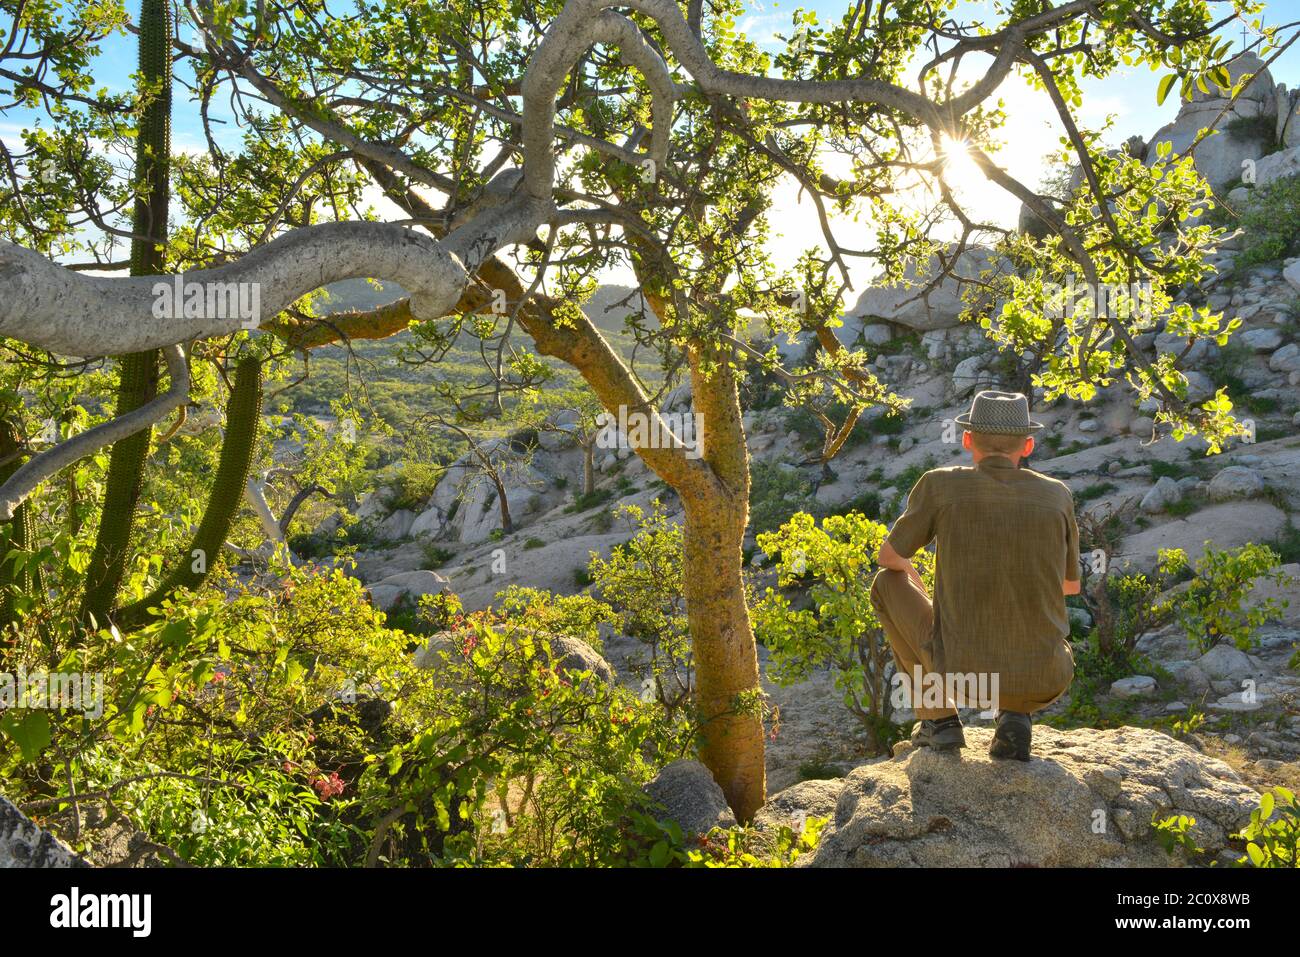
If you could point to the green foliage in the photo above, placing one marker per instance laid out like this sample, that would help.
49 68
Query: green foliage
1174 834
321 742
585 501
1212 607
642 581
414 483
776 491
1271 222
435 556
838 627
1273 835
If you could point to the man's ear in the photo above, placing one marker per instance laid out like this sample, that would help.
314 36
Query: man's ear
965 441
1029 446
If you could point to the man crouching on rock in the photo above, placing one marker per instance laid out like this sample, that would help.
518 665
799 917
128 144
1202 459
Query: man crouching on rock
1006 555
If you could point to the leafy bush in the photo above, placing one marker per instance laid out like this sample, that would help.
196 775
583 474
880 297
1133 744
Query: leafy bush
1273 835
775 493
642 581
1271 222
839 626
321 742
1212 605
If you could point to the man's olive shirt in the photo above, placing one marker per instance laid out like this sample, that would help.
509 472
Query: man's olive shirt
1005 539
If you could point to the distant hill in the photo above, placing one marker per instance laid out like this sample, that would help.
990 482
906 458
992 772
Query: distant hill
607 308
361 294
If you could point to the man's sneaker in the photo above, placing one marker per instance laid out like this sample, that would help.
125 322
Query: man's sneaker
944 734
1012 737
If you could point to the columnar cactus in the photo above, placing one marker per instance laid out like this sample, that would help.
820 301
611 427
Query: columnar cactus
139 371
19 534
243 423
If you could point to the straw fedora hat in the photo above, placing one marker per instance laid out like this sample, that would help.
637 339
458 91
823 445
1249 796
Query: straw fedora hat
999 413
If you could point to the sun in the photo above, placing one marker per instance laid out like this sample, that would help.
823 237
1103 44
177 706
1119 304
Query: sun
960 171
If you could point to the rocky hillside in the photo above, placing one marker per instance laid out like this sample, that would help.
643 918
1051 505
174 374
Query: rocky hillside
1155 493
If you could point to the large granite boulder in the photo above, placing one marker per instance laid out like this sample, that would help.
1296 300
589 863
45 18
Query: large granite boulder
1085 799
688 795
918 305
1220 156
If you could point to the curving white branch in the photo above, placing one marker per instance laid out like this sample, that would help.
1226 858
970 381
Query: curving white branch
581 24
40 467
54 308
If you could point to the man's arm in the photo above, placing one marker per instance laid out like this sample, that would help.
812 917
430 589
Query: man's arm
888 558
1071 584
913 530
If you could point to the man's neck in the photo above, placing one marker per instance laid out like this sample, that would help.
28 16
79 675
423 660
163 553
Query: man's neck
1012 460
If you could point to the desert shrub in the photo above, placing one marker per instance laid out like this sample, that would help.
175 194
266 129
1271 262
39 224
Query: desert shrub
578 616
642 581
1124 608
838 626
1273 835
583 501
1271 221
1212 606
435 556
775 493
320 742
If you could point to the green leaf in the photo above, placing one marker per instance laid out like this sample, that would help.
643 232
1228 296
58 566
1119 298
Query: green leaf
30 731
1166 84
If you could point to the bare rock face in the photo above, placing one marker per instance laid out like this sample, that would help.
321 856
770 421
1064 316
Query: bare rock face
1219 158
407 587
23 844
921 306
1085 799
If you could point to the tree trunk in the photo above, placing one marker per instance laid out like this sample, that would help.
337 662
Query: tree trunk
726 660
507 526
589 467
728 692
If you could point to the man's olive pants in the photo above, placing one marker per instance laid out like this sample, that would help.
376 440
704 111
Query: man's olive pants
907 616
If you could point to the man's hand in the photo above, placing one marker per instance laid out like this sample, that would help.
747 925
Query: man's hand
888 558
1070 587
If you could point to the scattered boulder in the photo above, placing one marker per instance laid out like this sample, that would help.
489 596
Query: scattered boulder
918 307
396 526
407 588
1136 686
1225 525
1286 359
1164 493
1277 166
691 797
792 807
1085 799
1236 481
1226 662
1262 340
